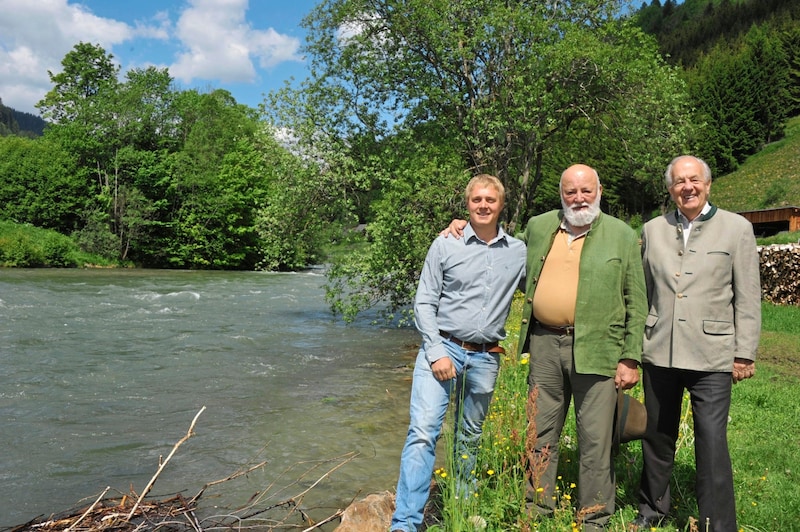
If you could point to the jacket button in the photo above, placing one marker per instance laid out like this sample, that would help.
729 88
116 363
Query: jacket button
524 321
680 253
680 295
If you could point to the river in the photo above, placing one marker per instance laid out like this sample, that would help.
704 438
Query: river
103 371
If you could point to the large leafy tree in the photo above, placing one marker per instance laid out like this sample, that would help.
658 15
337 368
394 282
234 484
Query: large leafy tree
214 185
503 78
79 106
499 84
110 127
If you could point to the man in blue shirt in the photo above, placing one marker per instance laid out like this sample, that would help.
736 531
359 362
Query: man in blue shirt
462 302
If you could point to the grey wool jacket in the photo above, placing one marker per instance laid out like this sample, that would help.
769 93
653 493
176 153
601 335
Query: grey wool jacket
704 298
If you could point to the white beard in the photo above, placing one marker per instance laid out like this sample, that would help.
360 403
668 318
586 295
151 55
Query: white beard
583 217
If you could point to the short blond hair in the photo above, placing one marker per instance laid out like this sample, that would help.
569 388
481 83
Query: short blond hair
485 180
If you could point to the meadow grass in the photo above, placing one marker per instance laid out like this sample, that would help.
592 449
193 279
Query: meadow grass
763 436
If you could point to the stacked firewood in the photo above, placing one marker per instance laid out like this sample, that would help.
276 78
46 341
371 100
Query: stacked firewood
780 273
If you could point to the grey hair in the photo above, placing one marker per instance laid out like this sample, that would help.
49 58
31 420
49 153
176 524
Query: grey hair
668 174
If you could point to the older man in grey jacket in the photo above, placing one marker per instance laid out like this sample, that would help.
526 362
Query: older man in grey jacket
702 274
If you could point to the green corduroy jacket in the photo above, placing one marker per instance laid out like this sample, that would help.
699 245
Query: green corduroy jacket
611 308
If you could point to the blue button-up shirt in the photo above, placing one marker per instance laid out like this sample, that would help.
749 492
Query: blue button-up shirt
466 287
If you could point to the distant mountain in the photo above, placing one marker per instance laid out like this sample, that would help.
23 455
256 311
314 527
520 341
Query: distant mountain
13 122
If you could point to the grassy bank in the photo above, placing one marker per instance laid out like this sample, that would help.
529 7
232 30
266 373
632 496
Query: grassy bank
763 432
25 246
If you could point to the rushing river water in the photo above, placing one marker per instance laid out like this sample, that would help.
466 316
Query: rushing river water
102 372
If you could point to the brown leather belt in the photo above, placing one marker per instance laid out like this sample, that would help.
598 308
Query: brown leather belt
492 347
564 330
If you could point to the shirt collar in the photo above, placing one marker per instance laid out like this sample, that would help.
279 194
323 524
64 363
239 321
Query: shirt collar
469 233
687 222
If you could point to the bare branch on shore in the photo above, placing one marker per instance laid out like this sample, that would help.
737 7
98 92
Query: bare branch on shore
163 464
136 513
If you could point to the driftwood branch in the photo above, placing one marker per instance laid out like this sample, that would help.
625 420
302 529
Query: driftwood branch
226 479
163 464
337 515
88 510
178 513
293 501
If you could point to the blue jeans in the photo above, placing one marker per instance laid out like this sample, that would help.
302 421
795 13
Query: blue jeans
472 390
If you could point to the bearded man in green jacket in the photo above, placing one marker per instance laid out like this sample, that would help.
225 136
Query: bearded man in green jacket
583 324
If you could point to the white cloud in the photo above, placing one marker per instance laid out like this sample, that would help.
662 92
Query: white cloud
211 41
35 37
220 44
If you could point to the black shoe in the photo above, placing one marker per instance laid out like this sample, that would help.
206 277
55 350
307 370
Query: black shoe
643 522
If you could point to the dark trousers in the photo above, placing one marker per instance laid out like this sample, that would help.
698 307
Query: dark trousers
710 394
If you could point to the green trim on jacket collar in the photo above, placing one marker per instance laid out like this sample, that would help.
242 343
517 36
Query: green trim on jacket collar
703 218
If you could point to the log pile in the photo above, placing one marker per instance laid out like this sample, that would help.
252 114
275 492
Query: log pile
780 273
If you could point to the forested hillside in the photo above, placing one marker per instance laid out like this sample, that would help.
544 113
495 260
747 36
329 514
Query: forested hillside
400 109
13 122
741 62
687 30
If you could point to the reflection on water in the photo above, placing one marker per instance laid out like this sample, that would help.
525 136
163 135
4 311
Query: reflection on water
102 372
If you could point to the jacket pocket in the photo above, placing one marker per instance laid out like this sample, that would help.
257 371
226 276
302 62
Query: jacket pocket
649 323
718 327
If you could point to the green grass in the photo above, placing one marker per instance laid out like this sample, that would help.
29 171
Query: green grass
763 432
782 238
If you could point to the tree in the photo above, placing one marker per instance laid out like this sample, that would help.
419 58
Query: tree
298 212
791 44
212 188
498 81
740 93
78 106
40 185
423 189
113 128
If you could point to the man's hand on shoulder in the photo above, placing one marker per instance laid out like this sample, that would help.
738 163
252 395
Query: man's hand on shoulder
456 228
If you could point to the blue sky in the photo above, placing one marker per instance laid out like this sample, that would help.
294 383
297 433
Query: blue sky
248 47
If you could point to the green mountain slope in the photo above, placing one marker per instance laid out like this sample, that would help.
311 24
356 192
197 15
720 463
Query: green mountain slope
770 178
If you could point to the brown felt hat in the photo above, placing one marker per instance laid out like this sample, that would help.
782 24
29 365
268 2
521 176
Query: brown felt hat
630 420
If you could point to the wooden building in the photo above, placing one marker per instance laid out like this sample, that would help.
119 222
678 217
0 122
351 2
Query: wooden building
768 222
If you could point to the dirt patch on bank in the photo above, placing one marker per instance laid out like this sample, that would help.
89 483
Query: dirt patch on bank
781 352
